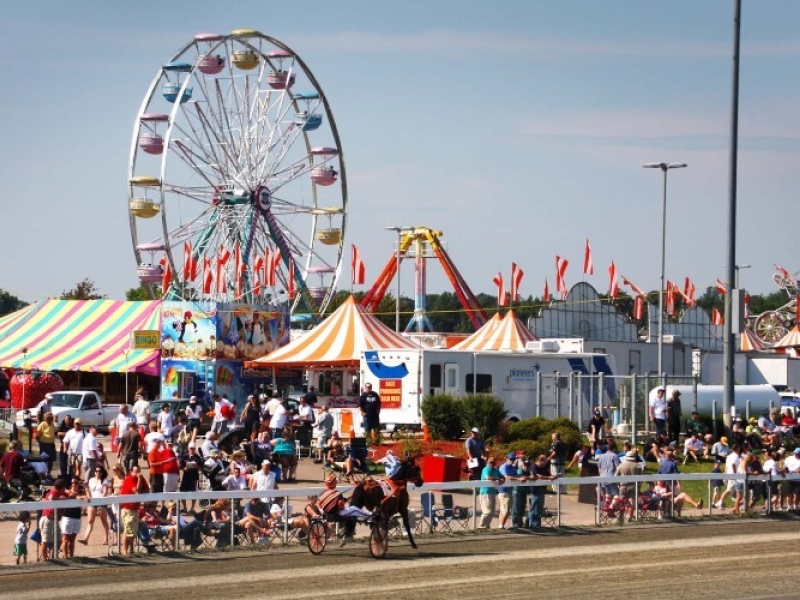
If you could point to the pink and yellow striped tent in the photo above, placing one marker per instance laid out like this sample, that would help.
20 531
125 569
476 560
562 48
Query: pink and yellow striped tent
506 333
79 335
336 342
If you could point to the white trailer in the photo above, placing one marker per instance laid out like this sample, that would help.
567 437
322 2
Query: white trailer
530 383
752 398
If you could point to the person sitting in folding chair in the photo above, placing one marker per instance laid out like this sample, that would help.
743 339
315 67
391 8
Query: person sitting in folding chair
356 460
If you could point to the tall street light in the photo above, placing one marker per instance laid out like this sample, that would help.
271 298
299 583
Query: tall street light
738 268
664 168
399 231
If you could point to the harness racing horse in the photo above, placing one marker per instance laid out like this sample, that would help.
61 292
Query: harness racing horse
370 494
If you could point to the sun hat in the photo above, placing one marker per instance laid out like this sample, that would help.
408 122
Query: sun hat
475 430
724 440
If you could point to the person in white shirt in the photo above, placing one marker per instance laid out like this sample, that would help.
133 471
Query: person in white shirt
305 413
235 481
272 405
692 448
194 414
91 454
731 468
278 420
165 421
73 442
123 418
658 410
792 465
264 479
141 410
222 406
152 438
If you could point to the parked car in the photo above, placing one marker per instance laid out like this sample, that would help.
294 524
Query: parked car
178 407
86 405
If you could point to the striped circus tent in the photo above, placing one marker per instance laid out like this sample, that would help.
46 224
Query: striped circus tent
506 333
748 342
790 340
336 342
79 335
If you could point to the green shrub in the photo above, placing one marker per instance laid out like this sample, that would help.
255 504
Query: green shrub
443 417
539 432
528 429
484 411
530 448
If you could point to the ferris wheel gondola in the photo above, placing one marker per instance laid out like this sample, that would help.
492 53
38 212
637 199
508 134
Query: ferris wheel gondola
246 174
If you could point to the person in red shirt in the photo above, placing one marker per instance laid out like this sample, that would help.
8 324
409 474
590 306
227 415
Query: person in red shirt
11 462
170 467
155 461
47 522
133 484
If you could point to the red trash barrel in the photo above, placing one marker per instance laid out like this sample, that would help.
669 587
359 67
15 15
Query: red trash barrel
112 433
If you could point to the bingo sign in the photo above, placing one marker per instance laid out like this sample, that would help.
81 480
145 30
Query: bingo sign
391 392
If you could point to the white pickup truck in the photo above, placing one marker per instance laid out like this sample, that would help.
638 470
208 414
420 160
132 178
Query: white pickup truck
85 405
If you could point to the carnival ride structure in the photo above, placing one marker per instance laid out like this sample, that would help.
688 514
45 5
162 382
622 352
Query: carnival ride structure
421 243
238 191
772 326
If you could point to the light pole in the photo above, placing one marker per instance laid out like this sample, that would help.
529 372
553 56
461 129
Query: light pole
737 268
399 231
664 168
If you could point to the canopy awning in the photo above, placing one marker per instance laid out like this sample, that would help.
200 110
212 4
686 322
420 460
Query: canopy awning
506 333
336 342
79 335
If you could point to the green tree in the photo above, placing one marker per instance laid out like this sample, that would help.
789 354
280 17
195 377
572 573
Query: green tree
10 303
138 293
85 290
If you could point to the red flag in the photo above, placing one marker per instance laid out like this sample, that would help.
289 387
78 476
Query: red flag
276 263
290 280
671 289
546 297
358 268
561 269
716 317
613 285
638 308
502 299
237 268
189 263
258 267
516 278
689 291
629 283
721 288
208 275
166 275
588 267
223 256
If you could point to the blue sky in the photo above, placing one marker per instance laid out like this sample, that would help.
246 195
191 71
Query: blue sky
516 128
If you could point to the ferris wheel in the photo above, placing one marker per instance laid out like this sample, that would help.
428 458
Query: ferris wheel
237 179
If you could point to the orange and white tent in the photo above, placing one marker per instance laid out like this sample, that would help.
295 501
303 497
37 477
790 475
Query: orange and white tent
336 342
499 333
790 340
750 342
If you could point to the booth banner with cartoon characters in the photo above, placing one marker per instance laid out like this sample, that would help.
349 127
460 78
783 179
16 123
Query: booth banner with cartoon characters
246 332
188 330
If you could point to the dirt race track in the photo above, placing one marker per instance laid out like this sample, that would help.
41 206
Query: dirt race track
637 562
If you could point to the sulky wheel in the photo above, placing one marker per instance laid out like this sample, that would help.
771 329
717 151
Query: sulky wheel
317 537
770 328
378 539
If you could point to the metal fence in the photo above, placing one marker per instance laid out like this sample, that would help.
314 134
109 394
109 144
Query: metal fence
437 509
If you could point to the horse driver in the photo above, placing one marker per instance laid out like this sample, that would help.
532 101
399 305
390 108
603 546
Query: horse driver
329 503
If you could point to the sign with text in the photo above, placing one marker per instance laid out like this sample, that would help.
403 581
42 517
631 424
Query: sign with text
391 392
146 339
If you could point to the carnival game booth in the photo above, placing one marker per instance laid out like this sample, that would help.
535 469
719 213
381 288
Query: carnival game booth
75 337
331 353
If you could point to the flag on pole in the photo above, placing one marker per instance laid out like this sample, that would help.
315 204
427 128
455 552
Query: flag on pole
689 291
561 269
272 260
784 273
502 299
258 268
516 278
588 266
290 280
189 263
671 289
721 288
357 265
237 267
639 291
613 285
166 275
223 256
716 317
546 296
208 275
638 308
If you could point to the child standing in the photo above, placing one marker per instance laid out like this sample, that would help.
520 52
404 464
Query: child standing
716 484
21 538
